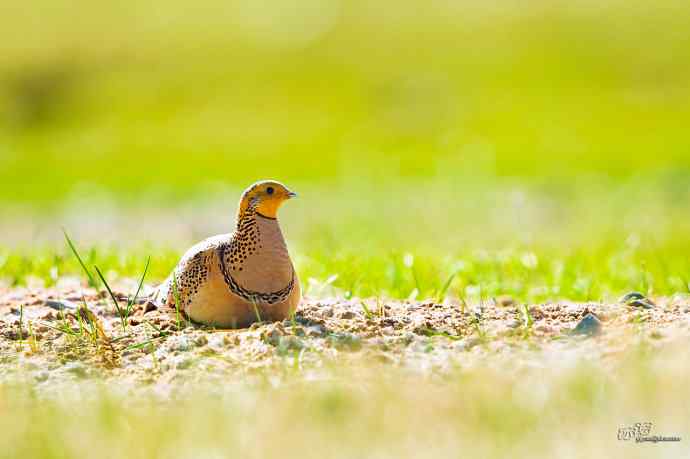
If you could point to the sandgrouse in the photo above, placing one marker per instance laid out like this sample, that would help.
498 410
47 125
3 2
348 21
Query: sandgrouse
233 280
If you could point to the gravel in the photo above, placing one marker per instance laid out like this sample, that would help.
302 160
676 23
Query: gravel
420 336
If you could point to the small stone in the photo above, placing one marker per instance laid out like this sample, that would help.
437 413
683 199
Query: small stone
590 325
631 297
636 299
644 303
61 305
179 343
536 313
315 331
408 338
326 312
41 376
182 362
505 301
388 331
289 343
345 341
201 340
513 323
231 339
273 335
147 307
48 316
347 315
216 341
468 343
77 369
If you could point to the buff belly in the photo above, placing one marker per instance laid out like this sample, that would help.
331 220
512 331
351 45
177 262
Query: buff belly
215 305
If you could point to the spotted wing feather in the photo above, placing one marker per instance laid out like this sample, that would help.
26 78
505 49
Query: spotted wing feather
191 273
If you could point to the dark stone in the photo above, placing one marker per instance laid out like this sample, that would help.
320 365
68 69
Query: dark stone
638 300
590 325
60 305
643 303
632 296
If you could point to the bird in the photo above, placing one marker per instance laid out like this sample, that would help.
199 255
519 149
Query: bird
233 280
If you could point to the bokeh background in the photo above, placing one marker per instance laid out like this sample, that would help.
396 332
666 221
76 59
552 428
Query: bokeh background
522 143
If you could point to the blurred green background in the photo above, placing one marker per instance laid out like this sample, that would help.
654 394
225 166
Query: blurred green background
464 132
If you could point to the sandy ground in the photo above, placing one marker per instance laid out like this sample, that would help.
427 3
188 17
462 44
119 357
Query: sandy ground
45 342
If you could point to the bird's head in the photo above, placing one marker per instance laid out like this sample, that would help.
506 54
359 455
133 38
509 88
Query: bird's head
265 197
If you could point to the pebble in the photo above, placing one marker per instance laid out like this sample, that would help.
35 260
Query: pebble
345 341
217 341
645 304
347 315
182 362
590 325
273 336
637 300
231 339
61 305
179 343
290 343
505 301
630 297
77 369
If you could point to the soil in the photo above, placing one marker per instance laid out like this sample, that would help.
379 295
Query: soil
48 338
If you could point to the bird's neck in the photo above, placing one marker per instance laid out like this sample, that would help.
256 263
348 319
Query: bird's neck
254 227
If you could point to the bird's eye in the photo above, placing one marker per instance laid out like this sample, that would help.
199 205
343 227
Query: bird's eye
269 190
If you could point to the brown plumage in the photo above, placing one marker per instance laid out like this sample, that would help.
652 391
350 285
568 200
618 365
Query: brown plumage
233 280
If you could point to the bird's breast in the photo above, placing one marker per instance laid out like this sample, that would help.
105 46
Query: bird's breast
267 268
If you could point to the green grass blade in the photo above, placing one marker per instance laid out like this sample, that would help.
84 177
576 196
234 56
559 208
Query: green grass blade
92 281
529 321
132 302
256 311
367 312
21 322
62 329
143 343
446 286
176 295
120 312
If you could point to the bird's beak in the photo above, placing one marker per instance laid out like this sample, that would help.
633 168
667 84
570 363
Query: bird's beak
291 194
